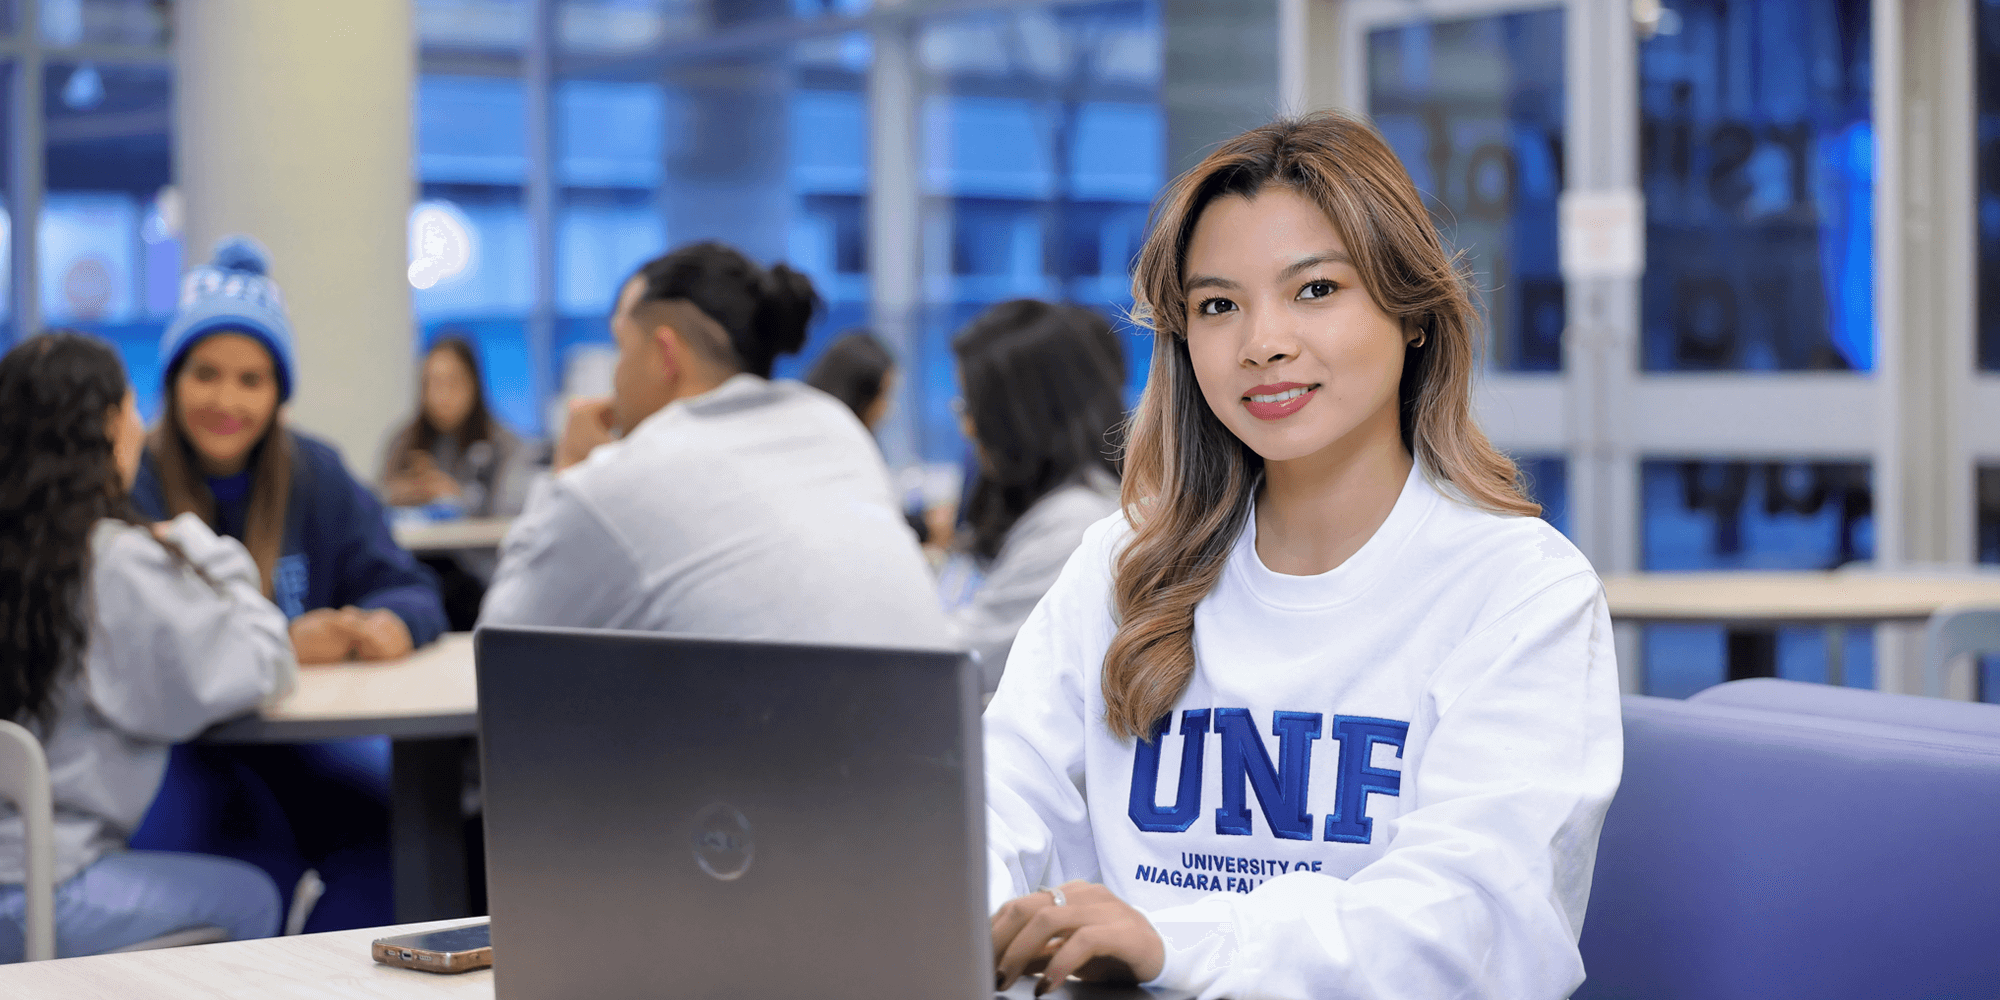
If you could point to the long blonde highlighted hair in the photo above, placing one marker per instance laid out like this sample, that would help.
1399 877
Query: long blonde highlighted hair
1189 482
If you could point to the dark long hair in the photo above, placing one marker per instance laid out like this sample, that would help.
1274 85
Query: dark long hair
1189 482
762 312
852 370
1044 386
61 479
421 434
185 489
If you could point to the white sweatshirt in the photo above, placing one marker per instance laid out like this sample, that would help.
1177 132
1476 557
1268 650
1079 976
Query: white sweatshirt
758 510
1383 781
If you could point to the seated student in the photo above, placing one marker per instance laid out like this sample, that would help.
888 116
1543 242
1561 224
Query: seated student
222 451
728 504
1044 398
858 371
122 638
324 553
454 451
1322 562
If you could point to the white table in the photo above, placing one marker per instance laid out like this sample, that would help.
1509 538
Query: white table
309 965
428 704
429 537
1829 599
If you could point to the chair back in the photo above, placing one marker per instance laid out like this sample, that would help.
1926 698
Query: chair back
24 783
1805 698
1959 630
1755 854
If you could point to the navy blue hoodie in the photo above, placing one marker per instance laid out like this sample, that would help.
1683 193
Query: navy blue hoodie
338 550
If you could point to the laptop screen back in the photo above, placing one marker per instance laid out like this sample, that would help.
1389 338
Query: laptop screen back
702 818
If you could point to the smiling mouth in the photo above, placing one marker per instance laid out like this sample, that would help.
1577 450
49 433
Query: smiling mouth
1280 397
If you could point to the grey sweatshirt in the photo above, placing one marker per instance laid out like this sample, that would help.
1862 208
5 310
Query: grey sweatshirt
757 510
170 654
1029 560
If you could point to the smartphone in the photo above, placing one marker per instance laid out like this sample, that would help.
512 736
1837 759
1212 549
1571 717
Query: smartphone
461 949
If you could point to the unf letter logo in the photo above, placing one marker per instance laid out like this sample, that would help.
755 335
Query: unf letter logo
1281 786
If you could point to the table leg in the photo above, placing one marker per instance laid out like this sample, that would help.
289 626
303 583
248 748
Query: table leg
1836 655
426 828
1753 652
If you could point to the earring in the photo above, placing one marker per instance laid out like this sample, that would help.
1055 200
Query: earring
1419 342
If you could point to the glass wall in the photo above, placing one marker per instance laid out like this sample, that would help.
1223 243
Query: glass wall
108 241
1987 20
1756 159
1721 514
1042 144
1474 108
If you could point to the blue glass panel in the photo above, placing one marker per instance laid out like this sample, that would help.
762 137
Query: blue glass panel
102 22
1757 163
1474 108
1546 478
1043 142
1725 515
108 246
1987 13
471 130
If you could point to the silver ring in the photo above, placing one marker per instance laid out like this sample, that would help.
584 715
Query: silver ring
1061 900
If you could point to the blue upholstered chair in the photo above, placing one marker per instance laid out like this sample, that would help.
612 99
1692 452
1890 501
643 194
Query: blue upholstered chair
1803 698
1753 853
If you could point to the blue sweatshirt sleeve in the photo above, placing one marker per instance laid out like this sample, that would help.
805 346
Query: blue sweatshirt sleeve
370 569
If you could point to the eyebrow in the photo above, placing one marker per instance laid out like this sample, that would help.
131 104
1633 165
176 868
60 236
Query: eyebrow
1305 263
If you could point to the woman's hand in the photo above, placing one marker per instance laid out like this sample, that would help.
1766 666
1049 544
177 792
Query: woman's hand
322 636
419 482
379 634
1094 936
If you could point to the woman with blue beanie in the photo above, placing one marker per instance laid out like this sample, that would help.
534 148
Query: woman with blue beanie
325 556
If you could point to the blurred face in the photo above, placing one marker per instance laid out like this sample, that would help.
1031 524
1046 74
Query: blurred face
644 379
128 437
877 411
448 390
1291 352
226 397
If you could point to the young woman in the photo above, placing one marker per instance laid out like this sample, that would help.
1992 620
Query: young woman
324 554
222 452
858 371
120 638
1325 712
1044 397
454 451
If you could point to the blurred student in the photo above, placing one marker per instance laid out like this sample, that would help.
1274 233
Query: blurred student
858 371
704 497
1326 573
455 452
121 637
222 452
324 555
1044 398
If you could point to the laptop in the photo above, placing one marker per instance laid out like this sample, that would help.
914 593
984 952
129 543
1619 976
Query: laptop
672 816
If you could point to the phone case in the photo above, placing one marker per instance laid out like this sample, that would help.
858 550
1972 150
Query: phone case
424 960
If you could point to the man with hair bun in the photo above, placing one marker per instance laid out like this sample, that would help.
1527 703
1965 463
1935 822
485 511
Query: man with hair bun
704 497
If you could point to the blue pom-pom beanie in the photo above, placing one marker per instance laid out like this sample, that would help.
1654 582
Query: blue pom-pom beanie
232 293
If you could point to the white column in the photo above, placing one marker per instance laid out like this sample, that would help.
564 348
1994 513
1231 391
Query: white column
895 227
1925 285
292 124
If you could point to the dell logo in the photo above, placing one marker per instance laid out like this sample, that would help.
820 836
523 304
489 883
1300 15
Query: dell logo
722 844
